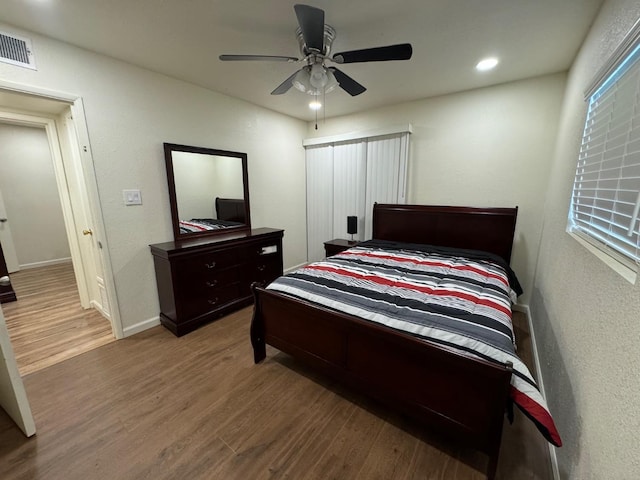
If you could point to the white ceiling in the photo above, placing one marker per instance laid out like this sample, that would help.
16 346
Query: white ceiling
183 38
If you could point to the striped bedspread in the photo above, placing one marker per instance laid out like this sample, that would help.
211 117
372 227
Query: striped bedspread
204 224
459 299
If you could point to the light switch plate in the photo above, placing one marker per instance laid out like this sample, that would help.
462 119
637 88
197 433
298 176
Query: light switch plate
132 197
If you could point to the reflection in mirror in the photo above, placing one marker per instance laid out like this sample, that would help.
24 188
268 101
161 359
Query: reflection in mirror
209 194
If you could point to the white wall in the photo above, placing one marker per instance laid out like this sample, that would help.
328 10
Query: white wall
30 192
586 317
130 113
485 147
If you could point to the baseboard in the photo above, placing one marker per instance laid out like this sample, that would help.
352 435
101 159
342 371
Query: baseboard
56 261
140 326
534 347
291 269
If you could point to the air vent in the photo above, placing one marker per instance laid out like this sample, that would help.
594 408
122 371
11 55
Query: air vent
16 51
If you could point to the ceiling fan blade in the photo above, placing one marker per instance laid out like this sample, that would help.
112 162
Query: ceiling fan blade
275 58
347 83
286 85
402 51
311 21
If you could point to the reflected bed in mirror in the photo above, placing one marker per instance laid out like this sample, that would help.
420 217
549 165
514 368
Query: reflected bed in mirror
208 190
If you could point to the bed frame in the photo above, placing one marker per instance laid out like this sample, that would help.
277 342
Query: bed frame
460 396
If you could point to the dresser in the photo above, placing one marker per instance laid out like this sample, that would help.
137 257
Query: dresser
201 280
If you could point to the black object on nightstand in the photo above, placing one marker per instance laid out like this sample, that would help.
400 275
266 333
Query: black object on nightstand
337 245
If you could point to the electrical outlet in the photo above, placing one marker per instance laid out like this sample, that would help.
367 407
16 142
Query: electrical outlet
132 197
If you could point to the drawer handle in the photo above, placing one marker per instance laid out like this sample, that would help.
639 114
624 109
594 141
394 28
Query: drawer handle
210 265
213 302
261 268
212 283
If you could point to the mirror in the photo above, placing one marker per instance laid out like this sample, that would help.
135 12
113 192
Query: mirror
208 190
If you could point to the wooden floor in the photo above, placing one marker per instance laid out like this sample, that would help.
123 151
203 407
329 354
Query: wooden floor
47 324
154 406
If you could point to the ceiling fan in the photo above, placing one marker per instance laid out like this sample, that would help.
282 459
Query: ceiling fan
315 40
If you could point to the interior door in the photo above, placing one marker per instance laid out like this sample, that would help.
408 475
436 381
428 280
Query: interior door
13 397
8 247
76 196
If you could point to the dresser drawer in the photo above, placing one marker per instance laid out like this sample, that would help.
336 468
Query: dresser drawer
265 270
205 266
202 283
196 303
263 249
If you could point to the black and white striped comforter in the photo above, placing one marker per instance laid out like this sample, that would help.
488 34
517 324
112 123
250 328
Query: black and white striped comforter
460 299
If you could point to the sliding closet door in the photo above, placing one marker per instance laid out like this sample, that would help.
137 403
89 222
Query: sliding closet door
345 178
320 179
349 183
386 174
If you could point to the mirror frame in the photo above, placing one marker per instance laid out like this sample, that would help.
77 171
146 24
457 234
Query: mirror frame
169 148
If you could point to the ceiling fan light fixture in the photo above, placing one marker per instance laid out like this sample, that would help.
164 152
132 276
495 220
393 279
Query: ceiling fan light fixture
332 83
315 80
301 80
318 76
315 105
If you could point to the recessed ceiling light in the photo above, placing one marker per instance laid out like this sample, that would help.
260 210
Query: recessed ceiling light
315 105
487 64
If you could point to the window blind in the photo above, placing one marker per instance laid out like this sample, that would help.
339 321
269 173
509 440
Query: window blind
319 165
606 192
386 174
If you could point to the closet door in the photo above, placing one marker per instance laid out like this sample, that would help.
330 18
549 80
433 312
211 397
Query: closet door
386 173
320 178
349 184
345 178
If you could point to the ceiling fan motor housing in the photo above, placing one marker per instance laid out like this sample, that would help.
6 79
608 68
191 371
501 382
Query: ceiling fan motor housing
329 37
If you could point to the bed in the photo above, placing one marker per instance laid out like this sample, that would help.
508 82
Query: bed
427 378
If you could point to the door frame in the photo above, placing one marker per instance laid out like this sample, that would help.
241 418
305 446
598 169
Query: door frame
80 162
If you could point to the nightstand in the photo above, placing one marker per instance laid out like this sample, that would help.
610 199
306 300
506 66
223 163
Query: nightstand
337 245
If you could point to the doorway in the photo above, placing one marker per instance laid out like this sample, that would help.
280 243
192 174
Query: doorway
87 276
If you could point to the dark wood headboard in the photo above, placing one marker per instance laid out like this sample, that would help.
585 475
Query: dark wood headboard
487 229
230 209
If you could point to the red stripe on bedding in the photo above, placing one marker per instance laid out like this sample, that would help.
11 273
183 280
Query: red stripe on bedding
193 225
409 286
431 263
540 414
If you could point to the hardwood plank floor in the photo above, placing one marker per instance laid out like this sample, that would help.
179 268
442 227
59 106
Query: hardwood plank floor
47 324
196 407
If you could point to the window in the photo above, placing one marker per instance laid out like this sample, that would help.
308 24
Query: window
605 204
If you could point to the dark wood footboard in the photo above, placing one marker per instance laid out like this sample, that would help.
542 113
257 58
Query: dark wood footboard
462 397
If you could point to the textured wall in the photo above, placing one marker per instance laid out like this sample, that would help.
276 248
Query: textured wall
586 317
487 147
130 112
30 193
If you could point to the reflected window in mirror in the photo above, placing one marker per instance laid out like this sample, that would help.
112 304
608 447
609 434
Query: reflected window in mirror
208 190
